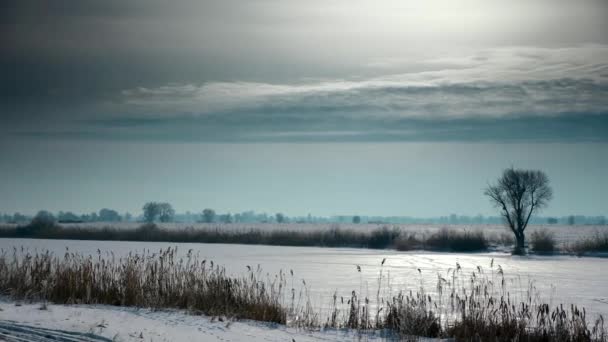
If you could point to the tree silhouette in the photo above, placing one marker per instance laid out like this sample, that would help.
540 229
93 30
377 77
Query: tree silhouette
518 194
166 212
151 211
208 215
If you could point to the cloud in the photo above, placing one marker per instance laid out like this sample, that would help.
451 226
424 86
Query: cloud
568 128
514 94
494 83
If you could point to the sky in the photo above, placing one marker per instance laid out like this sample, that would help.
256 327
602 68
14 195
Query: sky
327 107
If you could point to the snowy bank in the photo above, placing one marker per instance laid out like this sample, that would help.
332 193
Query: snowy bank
108 323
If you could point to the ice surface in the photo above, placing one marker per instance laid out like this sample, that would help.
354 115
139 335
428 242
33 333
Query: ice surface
558 279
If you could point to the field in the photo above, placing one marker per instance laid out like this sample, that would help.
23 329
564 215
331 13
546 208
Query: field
320 275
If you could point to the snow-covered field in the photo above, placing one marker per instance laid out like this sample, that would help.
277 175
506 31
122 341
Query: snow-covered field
27 322
558 279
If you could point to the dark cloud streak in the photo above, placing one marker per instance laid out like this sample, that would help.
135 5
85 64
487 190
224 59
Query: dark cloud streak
571 127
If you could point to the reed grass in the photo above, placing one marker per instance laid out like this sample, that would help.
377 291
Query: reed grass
457 241
380 238
543 241
596 244
466 306
155 280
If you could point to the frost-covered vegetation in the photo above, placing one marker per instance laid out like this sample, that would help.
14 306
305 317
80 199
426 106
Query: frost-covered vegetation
595 244
405 237
379 238
475 307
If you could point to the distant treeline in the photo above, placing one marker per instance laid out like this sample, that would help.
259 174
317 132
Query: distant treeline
45 226
164 212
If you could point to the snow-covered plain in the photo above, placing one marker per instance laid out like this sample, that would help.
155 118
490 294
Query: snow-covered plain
27 322
557 279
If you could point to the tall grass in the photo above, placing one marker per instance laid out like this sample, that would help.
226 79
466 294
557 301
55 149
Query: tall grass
156 280
456 241
380 238
475 307
599 243
543 241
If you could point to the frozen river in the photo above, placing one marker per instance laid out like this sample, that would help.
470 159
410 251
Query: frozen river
559 279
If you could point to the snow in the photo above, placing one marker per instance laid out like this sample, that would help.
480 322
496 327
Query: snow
559 279
107 323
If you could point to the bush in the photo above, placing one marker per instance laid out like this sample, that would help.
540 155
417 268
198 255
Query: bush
148 231
542 241
383 238
599 243
407 242
448 240
43 223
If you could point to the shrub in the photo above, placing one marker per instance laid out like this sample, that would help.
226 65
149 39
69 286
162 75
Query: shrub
148 232
407 242
43 223
383 237
599 243
542 241
456 241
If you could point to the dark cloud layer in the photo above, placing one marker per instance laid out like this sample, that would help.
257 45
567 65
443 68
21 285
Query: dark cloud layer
571 127
240 71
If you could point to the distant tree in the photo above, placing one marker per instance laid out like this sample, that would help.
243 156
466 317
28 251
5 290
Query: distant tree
601 220
518 194
18 218
279 217
109 215
571 220
356 219
42 221
552 220
166 212
151 211
208 215
68 217
93 217
128 217
226 218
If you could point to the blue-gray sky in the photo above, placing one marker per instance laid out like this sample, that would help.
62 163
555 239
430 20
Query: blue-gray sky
329 107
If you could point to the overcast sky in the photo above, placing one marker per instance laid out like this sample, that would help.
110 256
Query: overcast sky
328 107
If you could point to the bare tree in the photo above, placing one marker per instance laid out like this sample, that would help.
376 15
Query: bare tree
166 212
109 215
151 211
518 194
208 215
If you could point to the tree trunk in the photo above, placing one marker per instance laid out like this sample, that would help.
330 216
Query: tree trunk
521 243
